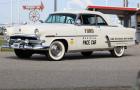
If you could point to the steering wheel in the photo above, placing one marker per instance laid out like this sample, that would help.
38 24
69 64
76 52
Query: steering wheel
69 21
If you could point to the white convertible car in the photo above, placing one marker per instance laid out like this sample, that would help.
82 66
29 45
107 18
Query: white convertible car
76 31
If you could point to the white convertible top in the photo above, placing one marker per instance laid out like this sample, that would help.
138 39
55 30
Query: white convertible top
105 16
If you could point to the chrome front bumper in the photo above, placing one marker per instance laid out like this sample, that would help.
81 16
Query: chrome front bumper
37 47
22 44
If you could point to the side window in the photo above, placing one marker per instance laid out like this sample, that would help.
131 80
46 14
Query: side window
101 21
88 19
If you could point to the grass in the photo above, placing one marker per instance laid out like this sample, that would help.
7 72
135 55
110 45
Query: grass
1 40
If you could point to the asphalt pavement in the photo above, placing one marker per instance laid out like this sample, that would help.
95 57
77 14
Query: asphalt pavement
75 71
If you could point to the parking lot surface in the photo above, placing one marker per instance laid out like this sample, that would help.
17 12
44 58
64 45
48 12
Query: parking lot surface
98 70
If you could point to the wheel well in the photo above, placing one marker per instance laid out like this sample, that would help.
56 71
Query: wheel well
125 47
64 42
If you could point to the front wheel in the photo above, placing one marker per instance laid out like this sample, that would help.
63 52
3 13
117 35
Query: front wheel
56 51
23 53
118 51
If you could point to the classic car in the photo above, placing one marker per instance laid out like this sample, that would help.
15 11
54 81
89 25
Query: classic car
70 31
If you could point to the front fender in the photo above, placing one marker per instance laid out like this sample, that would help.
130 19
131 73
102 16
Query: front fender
49 40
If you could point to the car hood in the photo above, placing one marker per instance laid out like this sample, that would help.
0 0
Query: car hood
44 28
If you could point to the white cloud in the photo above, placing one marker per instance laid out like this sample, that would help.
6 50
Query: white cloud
78 4
75 3
88 2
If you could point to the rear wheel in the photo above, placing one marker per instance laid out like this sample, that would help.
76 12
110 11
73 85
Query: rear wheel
118 51
86 54
56 51
23 53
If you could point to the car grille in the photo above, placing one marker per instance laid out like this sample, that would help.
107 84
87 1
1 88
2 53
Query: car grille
23 37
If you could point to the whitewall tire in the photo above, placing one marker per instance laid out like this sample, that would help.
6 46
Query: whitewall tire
56 51
118 51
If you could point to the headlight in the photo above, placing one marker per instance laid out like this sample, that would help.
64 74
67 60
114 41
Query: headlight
4 31
26 41
36 32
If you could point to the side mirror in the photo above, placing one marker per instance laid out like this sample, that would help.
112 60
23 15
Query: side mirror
78 22
24 23
41 21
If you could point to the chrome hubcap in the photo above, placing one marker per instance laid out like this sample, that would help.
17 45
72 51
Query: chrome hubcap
56 50
119 50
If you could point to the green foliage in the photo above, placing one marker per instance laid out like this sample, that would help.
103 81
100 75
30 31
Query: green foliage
1 40
4 49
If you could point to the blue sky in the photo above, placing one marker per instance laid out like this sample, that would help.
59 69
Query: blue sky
5 7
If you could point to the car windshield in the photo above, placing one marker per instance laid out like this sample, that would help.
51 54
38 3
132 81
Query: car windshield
61 18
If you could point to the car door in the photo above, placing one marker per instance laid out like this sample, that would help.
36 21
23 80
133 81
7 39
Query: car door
89 33
104 32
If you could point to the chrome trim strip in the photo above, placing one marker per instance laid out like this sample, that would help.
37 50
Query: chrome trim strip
75 36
